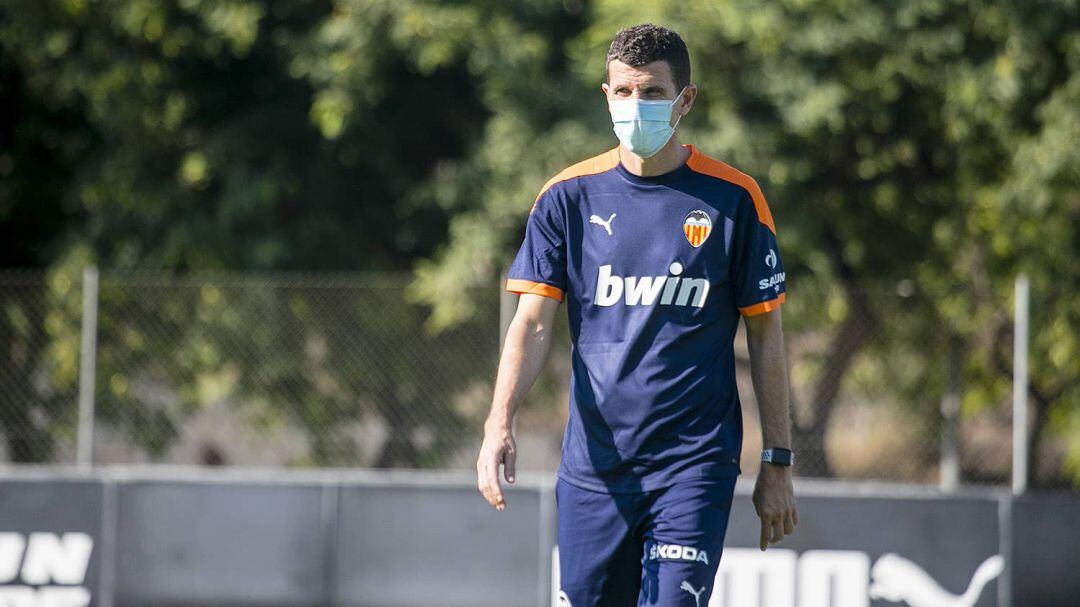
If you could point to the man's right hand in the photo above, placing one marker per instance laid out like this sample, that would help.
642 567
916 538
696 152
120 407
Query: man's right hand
528 340
498 448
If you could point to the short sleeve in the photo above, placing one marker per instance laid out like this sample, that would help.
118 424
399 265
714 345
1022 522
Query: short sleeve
757 270
540 264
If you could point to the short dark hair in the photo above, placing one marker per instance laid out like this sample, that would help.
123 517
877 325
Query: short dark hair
641 44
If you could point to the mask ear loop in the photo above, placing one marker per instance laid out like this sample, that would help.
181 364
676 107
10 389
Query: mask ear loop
673 101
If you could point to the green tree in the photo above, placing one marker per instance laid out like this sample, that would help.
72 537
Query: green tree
241 134
917 156
896 143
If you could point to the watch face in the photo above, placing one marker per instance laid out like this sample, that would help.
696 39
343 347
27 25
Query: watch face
780 457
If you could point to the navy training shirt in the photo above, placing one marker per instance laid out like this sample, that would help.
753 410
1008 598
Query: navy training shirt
656 272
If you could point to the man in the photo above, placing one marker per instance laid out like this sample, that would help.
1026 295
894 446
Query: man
658 250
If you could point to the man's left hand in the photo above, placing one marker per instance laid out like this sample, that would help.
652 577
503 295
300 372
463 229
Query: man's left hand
774 501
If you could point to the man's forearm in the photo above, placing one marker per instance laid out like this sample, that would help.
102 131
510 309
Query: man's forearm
768 370
525 350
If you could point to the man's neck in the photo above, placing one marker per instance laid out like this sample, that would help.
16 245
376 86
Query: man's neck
669 158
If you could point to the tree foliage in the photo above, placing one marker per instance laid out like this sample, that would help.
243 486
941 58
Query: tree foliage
916 148
198 136
918 155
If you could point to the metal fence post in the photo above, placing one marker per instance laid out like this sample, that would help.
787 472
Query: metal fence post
87 367
1020 387
949 475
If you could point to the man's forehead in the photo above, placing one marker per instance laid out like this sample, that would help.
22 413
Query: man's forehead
657 72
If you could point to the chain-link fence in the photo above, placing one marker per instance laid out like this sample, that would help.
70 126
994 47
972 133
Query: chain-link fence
342 371
332 371
38 368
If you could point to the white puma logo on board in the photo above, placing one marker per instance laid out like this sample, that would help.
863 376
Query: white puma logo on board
898 579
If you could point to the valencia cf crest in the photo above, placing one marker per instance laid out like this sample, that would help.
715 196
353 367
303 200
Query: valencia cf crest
696 227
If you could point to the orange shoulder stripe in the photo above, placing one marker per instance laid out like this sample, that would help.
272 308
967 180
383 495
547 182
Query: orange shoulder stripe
763 307
519 286
701 163
597 164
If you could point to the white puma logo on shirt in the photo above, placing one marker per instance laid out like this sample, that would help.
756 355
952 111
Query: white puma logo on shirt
697 593
600 222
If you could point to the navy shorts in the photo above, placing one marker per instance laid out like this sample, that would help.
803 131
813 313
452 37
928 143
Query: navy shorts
658 548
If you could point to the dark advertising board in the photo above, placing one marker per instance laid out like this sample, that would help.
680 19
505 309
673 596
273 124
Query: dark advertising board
50 542
367 540
439 547
195 544
1046 550
865 551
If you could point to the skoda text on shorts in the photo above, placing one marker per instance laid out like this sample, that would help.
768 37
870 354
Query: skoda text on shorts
658 251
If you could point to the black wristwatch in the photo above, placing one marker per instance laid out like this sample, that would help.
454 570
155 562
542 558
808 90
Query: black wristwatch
778 456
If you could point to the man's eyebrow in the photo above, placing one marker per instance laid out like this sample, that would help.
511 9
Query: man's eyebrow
646 88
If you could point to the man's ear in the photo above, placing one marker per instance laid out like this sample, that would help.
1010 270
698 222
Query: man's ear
688 96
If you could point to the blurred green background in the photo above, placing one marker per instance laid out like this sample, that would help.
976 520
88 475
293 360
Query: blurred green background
917 156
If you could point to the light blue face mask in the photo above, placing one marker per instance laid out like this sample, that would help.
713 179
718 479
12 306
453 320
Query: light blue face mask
643 126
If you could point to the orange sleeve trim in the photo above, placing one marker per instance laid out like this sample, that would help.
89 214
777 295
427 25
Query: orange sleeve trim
763 307
701 163
516 285
597 164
